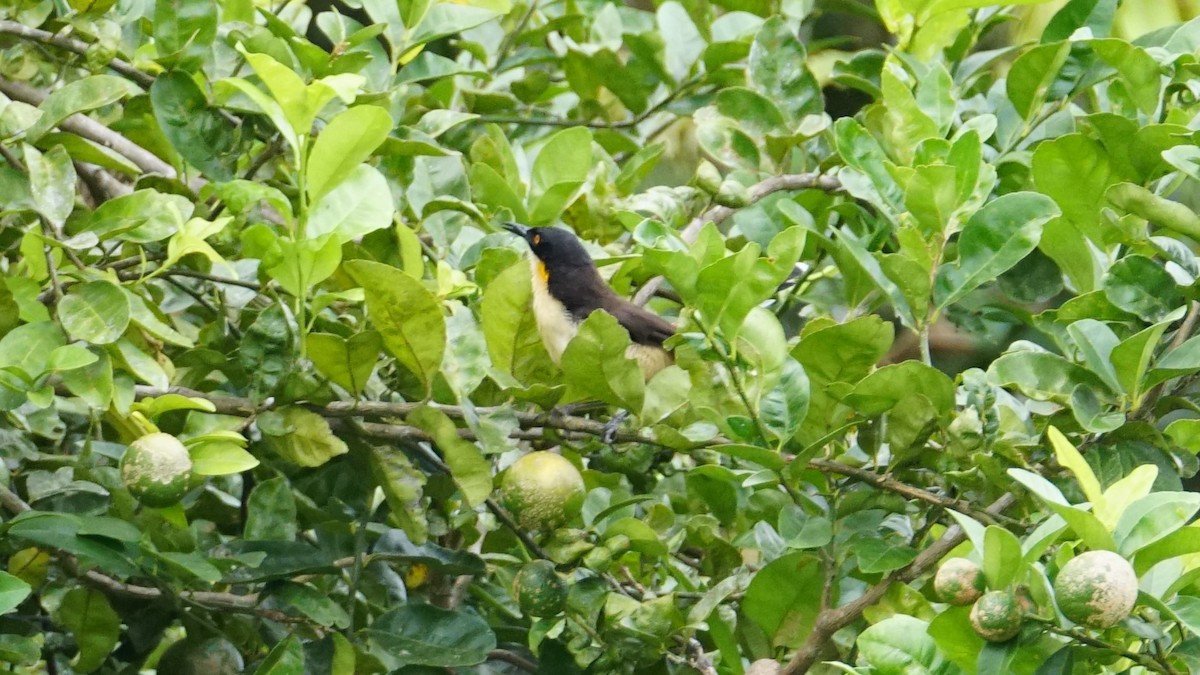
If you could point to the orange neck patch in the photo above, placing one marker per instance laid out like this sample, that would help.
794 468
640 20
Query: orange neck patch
542 272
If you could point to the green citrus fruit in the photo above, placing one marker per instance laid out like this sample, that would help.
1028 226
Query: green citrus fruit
543 490
213 656
539 590
156 468
958 582
1097 589
996 616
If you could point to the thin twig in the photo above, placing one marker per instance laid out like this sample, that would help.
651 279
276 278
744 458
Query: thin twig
513 659
76 46
904 489
510 38
11 159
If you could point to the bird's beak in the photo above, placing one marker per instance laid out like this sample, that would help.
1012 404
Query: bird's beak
517 229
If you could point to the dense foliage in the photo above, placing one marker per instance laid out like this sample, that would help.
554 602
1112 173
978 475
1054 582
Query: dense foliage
956 323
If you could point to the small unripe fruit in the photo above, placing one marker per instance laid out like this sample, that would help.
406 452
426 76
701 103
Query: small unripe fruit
958 582
996 617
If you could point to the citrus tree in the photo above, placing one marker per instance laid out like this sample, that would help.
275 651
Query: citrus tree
274 398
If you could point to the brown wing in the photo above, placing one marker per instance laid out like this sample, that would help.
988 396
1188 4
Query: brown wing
645 327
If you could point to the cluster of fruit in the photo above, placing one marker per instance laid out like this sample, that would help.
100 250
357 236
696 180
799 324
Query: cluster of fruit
1096 589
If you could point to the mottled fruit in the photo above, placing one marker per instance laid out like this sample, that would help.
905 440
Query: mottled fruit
996 616
1097 589
156 469
958 582
543 490
539 590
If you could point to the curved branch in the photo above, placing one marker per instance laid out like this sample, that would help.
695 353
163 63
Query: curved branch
718 214
831 621
71 45
93 131
904 489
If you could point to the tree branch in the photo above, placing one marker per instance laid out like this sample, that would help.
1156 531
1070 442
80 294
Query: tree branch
94 131
75 46
832 620
904 489
718 214
244 407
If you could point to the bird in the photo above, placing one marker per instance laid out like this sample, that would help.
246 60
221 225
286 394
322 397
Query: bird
567 288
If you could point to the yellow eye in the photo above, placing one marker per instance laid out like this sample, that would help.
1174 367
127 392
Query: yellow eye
537 239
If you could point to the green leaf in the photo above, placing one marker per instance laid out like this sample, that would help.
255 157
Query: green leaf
79 96
201 136
1132 357
28 347
732 286
784 407
470 470
70 357
317 605
358 204
13 592
268 351
406 314
97 312
595 364
1141 286
1076 172
184 29
1096 342
285 658
845 352
510 327
637 167
271 512
957 641
1136 69
51 183
1032 74
566 157
995 239
300 436
1042 376
347 141
900 644
403 487
778 70
1185 433
755 113
880 391
1096 15
683 41
784 610
1001 556
1085 525
1158 210
420 634
85 612
1070 458
348 362
300 265
143 216
1152 518
877 556
220 458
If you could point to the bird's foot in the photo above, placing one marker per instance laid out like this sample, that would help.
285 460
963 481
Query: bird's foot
612 426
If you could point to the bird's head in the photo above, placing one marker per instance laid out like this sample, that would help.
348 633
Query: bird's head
555 247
